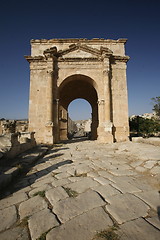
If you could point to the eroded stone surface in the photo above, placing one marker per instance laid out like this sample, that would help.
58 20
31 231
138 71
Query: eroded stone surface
155 221
82 227
8 217
106 191
82 185
71 207
17 233
126 207
44 188
138 229
17 198
125 186
31 206
152 198
56 194
41 222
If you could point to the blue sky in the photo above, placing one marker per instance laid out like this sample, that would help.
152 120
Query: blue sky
21 21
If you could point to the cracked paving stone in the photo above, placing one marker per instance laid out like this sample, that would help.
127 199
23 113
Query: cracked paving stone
9 201
81 227
126 207
71 207
56 194
41 222
155 221
119 172
17 233
83 185
152 198
138 229
43 181
124 186
31 206
61 182
8 217
106 191
44 187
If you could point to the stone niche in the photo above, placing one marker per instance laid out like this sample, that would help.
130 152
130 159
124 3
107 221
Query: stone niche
62 70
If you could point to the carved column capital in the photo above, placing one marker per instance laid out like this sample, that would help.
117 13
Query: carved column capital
101 102
106 72
50 53
49 124
56 100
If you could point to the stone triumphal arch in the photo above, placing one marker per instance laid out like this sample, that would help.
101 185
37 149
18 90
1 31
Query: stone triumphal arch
62 70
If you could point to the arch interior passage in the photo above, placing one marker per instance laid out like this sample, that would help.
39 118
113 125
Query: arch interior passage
73 88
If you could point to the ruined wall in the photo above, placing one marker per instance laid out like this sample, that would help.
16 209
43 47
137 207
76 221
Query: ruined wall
13 126
12 144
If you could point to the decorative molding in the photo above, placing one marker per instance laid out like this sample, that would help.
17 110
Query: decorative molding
79 40
78 46
120 59
49 124
61 59
50 52
34 59
101 102
105 52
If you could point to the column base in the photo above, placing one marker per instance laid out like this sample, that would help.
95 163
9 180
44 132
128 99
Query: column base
49 138
105 133
63 134
121 134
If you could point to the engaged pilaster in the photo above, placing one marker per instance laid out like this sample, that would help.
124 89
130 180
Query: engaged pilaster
104 105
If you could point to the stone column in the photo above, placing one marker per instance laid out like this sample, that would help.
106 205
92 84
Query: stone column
120 99
104 105
49 123
56 120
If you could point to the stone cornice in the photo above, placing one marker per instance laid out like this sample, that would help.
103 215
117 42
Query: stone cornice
61 59
120 59
78 40
83 47
34 59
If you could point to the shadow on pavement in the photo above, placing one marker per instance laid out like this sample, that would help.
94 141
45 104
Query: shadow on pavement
24 180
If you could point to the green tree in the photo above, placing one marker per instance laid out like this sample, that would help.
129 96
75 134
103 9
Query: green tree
144 127
156 106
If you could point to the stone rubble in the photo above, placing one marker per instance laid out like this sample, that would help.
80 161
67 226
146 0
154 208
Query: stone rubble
78 193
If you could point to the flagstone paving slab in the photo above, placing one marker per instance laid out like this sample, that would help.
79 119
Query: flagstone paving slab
71 207
41 222
82 185
124 186
152 198
61 182
31 206
56 194
19 197
126 207
155 221
17 233
42 188
106 191
8 217
83 227
138 229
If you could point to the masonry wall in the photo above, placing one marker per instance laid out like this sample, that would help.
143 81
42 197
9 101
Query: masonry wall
119 102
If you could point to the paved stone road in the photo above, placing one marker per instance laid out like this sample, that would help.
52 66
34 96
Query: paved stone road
81 188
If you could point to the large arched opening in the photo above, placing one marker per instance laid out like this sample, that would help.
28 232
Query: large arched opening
74 87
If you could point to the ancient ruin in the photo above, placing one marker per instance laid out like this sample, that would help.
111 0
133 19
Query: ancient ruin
62 70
